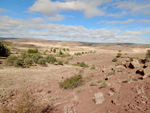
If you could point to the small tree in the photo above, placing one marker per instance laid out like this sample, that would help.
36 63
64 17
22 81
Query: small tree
4 51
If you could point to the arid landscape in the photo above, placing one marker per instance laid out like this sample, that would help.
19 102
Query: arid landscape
84 77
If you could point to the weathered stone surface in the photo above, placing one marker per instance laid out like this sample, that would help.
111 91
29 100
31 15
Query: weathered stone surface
126 64
147 64
140 71
147 71
99 98
119 68
134 64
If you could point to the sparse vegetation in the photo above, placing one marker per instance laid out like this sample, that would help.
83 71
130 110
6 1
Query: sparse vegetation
36 57
19 63
119 55
60 62
50 59
32 51
72 82
42 62
93 84
93 67
103 85
81 64
10 60
115 59
28 62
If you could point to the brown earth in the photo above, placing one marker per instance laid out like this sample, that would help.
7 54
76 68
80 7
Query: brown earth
125 93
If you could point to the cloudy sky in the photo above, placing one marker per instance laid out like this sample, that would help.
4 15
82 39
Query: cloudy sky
125 21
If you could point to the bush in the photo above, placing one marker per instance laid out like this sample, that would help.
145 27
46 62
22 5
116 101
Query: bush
28 62
31 51
36 57
23 55
11 59
4 51
114 60
60 52
93 67
19 63
42 61
25 103
81 64
148 56
119 55
72 82
50 59
60 62
103 85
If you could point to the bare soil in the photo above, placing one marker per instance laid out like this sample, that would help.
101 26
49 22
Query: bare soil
132 96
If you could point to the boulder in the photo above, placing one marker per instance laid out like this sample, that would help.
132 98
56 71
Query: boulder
119 68
147 64
99 98
134 64
140 71
147 71
126 64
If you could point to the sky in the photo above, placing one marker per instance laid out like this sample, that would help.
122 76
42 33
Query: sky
104 21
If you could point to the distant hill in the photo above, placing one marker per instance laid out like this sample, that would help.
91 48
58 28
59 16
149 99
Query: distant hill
74 43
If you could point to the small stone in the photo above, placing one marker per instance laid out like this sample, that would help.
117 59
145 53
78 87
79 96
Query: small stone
99 98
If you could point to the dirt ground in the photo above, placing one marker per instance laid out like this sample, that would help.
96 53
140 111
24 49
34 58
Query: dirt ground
132 96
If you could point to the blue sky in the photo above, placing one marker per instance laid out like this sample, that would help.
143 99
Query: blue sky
125 21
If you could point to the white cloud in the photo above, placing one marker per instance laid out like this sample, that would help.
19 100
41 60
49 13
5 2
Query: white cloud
36 27
134 7
3 10
53 8
118 22
145 20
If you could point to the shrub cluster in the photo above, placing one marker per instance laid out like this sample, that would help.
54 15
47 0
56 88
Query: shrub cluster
26 60
32 51
81 64
72 82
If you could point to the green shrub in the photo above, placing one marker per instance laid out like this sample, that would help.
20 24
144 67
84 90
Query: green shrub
60 52
148 56
54 50
23 55
19 63
103 85
31 51
81 64
60 62
77 54
64 49
36 57
11 59
93 84
28 62
119 55
65 55
50 59
4 51
72 82
115 59
93 67
42 61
